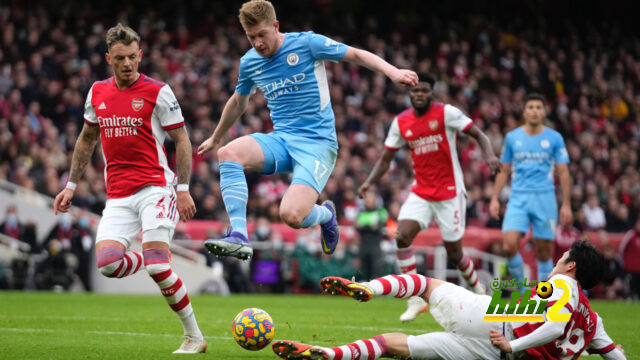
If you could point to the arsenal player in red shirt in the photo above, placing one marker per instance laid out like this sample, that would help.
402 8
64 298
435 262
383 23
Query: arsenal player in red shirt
131 114
430 130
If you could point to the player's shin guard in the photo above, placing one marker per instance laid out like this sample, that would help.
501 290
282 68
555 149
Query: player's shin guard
235 195
157 263
406 260
544 269
114 262
370 349
515 266
399 286
468 272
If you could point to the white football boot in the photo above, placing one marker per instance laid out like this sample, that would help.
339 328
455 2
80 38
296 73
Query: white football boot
415 306
192 345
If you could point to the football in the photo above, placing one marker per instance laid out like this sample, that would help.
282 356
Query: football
544 289
253 329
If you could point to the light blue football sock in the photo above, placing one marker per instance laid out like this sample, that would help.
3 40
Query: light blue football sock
235 194
515 265
318 215
544 269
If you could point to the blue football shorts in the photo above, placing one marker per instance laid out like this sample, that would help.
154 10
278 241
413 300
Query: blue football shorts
311 161
539 209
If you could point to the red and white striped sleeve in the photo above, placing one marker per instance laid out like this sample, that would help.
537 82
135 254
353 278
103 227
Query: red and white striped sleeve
394 139
454 118
602 344
89 111
168 110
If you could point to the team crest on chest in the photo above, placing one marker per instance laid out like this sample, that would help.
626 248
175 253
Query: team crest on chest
137 104
292 59
545 144
433 125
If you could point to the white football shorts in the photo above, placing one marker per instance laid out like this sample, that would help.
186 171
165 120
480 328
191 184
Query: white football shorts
449 214
152 207
460 313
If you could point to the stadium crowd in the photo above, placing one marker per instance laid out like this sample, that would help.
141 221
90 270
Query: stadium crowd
590 77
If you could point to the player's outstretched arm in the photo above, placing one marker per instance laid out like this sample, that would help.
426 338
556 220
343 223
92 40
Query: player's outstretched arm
233 109
373 62
501 179
184 154
546 333
485 144
566 216
379 169
615 354
85 145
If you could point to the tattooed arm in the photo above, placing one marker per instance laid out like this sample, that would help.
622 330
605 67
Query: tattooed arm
85 145
184 154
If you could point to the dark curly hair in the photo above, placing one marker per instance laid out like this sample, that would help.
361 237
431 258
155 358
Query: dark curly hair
428 78
589 263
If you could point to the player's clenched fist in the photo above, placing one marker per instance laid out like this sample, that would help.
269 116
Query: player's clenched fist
62 203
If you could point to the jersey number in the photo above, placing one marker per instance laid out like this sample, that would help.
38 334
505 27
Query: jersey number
320 171
573 343
456 218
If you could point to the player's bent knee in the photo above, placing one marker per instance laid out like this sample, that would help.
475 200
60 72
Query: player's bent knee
403 241
396 344
229 153
454 255
109 260
510 247
293 218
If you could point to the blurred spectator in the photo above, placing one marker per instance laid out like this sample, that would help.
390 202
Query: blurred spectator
594 215
630 253
308 259
370 224
63 232
58 268
617 217
565 236
262 231
82 248
56 272
12 227
612 279
270 267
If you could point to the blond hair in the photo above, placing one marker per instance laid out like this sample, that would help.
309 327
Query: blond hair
254 12
121 34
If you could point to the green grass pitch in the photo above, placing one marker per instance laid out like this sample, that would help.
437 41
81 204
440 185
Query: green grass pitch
88 326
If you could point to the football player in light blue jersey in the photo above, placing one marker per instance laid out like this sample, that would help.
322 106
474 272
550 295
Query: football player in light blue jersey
289 69
533 151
